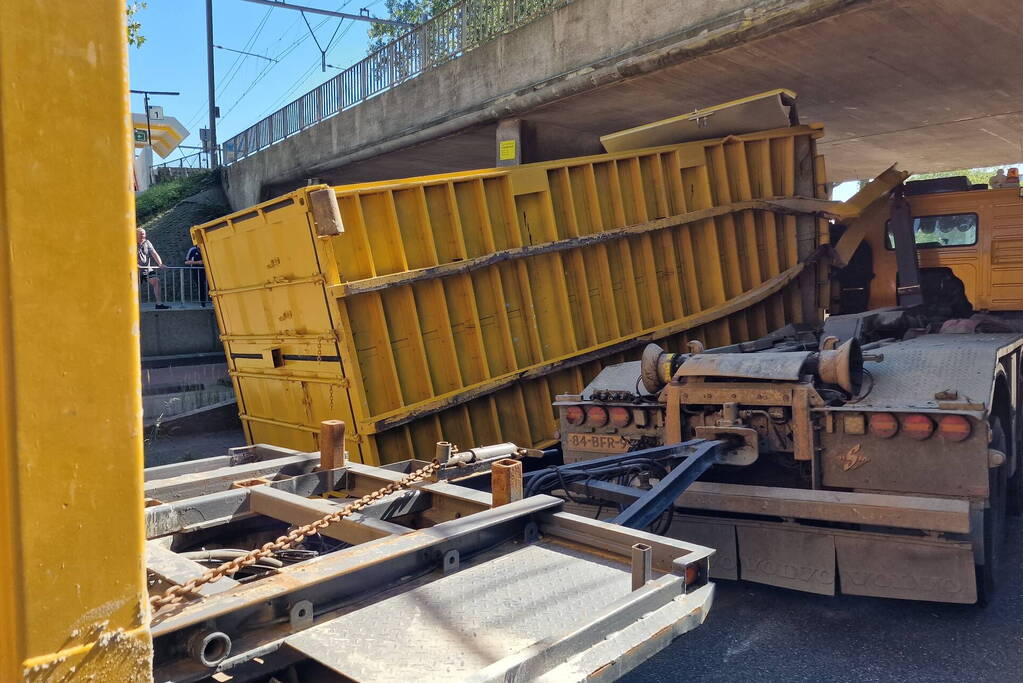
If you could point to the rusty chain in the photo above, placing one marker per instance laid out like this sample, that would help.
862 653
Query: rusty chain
176 594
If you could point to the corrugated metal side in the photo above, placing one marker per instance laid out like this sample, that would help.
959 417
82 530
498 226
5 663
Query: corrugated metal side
456 306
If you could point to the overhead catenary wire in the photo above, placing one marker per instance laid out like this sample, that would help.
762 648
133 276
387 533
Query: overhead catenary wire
323 50
302 79
284 53
232 70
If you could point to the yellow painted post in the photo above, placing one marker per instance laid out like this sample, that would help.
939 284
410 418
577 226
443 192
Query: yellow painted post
72 574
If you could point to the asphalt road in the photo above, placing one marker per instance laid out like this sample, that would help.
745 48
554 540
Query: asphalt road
761 633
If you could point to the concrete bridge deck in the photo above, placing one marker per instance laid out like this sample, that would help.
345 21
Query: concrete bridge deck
931 84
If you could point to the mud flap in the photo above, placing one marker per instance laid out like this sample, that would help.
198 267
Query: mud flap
803 560
906 568
724 564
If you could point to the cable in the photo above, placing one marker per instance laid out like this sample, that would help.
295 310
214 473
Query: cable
301 79
298 82
288 50
232 70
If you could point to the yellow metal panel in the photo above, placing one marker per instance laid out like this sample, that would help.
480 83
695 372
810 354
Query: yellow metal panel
457 304
72 578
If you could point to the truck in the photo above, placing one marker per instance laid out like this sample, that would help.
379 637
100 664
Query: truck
872 451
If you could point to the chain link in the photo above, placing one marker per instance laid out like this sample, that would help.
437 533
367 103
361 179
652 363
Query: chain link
176 594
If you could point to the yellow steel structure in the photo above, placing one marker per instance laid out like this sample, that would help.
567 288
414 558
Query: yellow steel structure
456 306
72 577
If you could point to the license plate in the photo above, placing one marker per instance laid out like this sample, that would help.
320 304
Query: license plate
600 443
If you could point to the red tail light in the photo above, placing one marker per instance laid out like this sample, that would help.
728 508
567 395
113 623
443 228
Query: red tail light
917 426
954 428
620 417
883 425
574 415
596 416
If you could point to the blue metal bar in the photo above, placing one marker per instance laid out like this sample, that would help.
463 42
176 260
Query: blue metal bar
672 451
654 502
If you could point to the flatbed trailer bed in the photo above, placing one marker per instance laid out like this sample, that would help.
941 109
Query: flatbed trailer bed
429 583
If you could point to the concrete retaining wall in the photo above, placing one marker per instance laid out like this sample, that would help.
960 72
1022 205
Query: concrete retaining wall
177 332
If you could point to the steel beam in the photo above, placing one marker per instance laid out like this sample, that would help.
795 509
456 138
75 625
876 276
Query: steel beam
178 570
250 613
661 497
201 483
287 507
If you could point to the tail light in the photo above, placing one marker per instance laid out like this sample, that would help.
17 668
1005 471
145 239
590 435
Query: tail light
883 425
954 428
574 415
917 426
620 417
596 416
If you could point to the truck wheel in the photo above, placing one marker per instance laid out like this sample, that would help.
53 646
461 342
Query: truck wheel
994 518
1014 489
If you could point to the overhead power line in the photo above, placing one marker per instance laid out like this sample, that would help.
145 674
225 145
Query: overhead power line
331 13
243 52
288 50
235 67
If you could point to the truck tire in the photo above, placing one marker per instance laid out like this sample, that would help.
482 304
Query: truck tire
994 517
1015 483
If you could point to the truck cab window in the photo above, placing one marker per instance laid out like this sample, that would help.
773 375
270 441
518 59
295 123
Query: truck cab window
931 232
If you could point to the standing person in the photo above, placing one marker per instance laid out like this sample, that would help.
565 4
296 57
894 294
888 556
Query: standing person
194 258
149 261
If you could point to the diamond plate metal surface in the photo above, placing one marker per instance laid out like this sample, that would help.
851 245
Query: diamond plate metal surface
462 622
913 371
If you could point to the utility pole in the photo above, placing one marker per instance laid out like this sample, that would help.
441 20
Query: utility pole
211 84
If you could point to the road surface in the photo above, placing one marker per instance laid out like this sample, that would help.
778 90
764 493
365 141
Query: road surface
760 633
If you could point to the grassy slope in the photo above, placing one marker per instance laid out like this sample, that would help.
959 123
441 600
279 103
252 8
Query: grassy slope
162 197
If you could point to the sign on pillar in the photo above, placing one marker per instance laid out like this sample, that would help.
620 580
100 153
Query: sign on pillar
513 142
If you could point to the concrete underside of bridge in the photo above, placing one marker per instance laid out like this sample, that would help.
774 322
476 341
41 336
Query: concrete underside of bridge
930 84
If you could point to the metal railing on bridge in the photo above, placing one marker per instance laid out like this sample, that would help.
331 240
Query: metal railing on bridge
446 36
180 287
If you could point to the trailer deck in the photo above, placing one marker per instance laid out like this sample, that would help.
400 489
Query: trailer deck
432 582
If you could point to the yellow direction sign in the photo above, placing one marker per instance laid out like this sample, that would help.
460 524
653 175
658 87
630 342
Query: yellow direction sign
167 132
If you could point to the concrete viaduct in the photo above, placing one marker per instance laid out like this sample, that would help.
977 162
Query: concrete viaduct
925 83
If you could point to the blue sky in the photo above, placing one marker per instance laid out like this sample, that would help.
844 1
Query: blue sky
173 58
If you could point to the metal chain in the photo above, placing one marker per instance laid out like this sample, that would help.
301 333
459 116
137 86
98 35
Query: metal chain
176 594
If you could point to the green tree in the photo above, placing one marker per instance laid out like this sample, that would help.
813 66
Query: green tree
409 11
459 26
135 36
